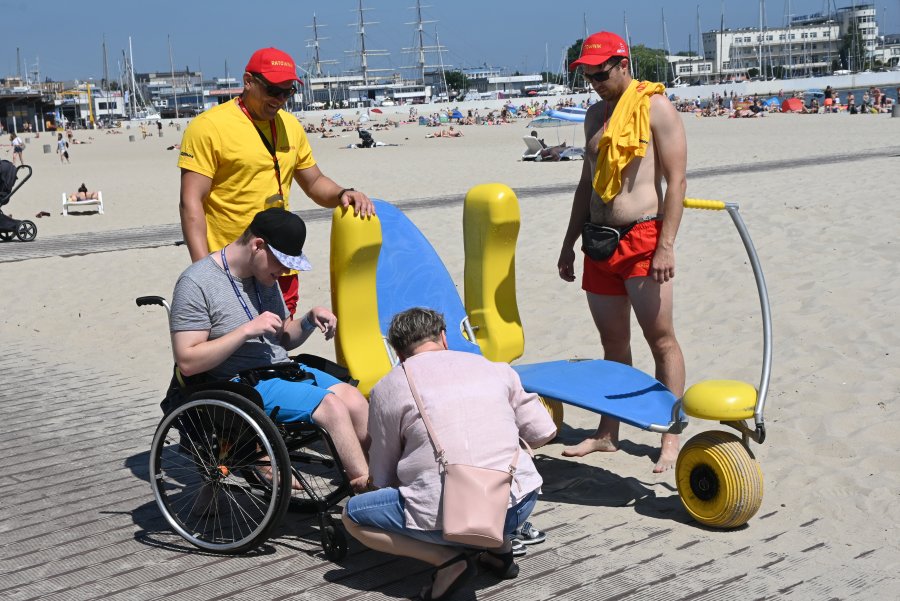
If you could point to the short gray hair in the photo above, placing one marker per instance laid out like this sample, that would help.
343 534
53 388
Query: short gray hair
414 326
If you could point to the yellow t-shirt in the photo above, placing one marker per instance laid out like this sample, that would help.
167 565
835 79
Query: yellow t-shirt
222 144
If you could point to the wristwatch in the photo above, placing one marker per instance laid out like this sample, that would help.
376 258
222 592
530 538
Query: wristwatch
341 194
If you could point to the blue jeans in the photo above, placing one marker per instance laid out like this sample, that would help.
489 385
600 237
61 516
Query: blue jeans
383 509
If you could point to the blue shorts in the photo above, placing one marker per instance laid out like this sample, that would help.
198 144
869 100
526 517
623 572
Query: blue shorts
296 400
383 509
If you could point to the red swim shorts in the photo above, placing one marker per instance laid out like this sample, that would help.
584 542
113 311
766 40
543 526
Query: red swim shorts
290 290
631 259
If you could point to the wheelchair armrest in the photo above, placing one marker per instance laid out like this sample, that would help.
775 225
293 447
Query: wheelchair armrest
329 367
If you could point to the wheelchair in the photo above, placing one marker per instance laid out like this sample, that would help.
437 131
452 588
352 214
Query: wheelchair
224 473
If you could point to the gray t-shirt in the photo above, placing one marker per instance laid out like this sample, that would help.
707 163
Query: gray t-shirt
204 299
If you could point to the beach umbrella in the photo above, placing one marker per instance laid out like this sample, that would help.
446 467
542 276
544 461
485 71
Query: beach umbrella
379 111
545 121
456 115
773 101
792 105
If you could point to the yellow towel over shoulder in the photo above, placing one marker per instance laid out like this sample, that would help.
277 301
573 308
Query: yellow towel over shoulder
627 135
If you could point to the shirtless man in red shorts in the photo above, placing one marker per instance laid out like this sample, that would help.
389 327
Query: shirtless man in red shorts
639 273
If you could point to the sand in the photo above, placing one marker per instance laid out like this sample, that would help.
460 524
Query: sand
818 193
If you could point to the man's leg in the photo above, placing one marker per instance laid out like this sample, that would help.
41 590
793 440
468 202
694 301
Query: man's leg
612 316
333 415
358 408
652 304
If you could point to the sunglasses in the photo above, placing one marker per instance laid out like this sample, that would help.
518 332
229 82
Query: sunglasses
273 90
601 76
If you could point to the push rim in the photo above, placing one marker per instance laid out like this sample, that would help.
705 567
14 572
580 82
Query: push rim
205 471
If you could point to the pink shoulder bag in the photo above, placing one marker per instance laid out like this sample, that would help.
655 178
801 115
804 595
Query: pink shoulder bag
474 499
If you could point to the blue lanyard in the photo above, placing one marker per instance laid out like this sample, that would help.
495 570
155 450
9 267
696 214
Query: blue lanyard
237 292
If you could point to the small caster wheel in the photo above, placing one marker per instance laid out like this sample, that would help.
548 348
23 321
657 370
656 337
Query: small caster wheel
334 543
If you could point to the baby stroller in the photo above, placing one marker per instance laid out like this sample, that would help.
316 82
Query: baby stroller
365 139
22 229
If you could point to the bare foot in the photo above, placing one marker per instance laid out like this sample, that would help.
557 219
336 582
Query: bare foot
668 453
266 472
590 445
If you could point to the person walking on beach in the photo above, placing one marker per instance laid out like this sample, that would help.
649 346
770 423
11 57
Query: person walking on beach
18 149
621 188
240 157
62 149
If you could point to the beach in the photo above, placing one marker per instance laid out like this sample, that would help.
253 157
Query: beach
818 194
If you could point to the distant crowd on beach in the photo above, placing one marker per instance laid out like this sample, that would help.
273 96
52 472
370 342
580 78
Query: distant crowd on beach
331 127
872 101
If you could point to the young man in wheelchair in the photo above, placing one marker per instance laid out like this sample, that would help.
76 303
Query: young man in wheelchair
228 315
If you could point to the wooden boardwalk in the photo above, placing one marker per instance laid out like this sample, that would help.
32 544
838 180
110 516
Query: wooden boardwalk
79 522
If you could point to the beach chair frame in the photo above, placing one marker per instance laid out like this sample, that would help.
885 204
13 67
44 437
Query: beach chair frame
719 481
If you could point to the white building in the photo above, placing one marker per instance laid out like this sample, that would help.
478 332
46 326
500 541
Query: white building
811 45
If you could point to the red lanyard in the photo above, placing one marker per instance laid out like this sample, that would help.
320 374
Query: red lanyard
271 147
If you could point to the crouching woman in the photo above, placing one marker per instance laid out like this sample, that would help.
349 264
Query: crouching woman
478 410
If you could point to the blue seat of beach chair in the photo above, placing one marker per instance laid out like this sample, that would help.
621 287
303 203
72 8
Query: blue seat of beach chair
605 387
411 274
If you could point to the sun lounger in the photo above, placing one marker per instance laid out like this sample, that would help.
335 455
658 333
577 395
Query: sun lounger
81 205
533 153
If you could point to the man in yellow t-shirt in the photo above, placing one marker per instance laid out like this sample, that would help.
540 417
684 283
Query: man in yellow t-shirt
239 158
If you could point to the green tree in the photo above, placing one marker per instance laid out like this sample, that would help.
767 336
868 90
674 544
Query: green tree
457 80
650 64
853 48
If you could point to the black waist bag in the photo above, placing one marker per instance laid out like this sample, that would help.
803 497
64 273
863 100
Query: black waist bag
599 242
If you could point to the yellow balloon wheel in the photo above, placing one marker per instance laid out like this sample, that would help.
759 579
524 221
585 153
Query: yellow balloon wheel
719 483
555 408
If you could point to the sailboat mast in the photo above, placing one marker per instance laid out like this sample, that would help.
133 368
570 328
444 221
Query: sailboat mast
133 80
701 52
318 63
437 40
668 50
105 69
627 43
421 48
172 68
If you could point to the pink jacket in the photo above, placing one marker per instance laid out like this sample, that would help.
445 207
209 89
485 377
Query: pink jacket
478 409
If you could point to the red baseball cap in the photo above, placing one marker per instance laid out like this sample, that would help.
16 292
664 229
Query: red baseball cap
273 64
599 48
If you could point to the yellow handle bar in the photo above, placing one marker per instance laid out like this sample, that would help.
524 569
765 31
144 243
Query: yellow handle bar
697 203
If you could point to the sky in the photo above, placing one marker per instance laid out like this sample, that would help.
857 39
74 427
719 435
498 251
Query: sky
63 39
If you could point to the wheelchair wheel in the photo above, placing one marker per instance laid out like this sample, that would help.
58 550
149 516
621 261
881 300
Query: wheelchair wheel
26 231
719 482
220 472
334 541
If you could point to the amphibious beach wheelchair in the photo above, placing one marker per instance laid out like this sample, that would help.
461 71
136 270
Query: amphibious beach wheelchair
10 183
383 265
224 473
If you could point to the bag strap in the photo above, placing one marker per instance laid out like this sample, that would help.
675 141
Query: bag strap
438 449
